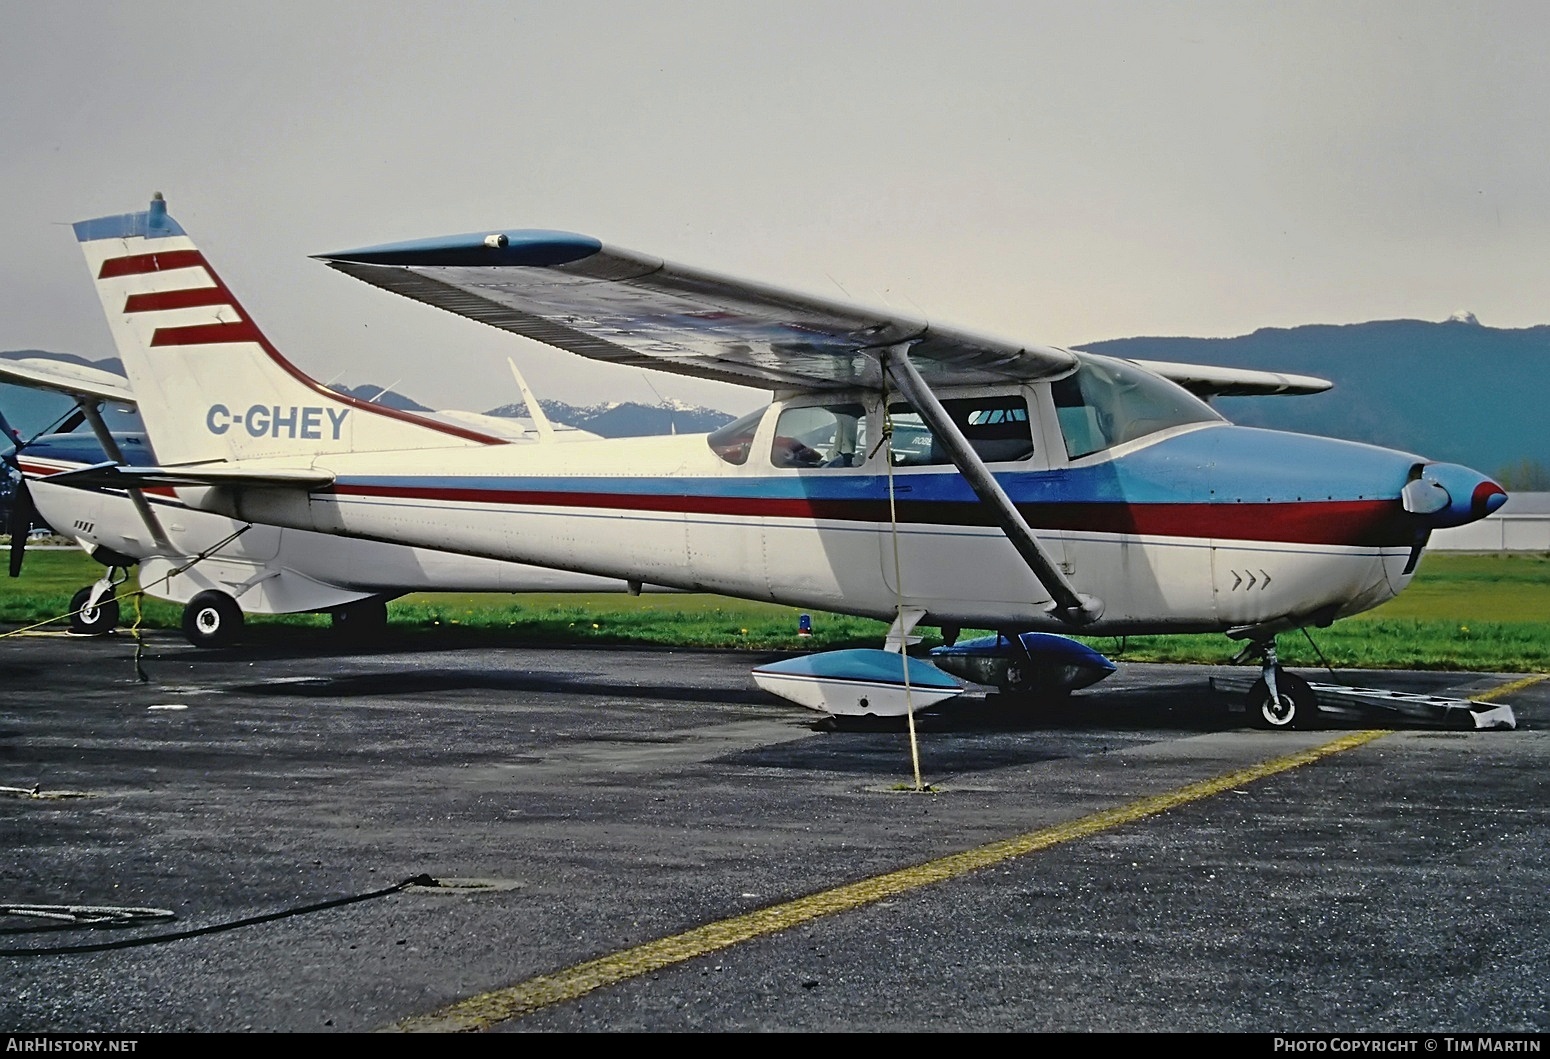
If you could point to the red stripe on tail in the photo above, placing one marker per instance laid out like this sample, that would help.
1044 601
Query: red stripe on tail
177 299
140 264
206 334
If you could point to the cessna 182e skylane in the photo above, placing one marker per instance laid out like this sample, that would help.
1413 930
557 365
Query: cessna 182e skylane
905 471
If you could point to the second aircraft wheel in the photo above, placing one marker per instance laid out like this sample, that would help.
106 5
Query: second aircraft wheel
93 621
212 619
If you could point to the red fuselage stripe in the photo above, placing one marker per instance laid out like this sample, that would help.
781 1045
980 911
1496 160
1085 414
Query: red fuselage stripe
1370 523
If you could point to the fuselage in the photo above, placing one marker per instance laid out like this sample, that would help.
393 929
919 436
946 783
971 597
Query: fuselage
1197 525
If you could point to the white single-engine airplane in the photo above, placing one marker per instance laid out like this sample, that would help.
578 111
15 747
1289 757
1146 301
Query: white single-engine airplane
905 471
218 568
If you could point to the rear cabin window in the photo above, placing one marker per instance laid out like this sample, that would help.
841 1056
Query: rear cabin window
1108 402
997 428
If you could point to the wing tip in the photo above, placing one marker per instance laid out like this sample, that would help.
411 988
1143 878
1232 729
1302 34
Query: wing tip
529 247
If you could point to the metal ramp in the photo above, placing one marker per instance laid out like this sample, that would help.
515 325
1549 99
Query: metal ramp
1338 700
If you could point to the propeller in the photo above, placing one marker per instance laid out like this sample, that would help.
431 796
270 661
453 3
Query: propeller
23 510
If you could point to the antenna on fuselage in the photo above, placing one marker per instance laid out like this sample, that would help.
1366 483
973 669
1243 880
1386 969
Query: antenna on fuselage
383 392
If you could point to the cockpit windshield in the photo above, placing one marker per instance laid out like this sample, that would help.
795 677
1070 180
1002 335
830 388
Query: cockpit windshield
733 441
1108 402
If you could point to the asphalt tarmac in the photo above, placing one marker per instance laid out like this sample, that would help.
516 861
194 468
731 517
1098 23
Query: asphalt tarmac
642 840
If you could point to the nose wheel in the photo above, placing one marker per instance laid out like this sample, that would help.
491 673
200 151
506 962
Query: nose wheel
1278 699
1291 705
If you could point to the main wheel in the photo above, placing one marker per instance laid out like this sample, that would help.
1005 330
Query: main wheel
360 621
1294 706
93 621
212 619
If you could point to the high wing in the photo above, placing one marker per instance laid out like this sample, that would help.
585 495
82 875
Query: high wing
72 380
579 294
1205 380
604 302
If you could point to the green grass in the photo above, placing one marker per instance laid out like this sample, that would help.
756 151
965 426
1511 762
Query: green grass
1475 612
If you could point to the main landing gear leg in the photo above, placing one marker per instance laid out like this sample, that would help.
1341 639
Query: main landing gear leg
1278 699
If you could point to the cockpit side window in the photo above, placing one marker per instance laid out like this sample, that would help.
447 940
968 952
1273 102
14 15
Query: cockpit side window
733 441
997 428
820 436
1109 402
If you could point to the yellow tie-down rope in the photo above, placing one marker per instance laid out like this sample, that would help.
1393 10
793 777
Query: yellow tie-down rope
137 595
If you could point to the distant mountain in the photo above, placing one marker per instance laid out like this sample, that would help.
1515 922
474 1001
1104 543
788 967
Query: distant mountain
626 420
378 395
1454 391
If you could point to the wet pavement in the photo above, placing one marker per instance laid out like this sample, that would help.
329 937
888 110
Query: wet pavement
617 840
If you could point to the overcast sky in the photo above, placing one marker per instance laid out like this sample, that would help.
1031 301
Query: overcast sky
1052 172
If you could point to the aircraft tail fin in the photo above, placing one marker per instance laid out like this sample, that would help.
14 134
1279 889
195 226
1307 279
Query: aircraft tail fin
539 417
210 386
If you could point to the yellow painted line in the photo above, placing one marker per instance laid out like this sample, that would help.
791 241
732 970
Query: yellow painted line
1508 689
501 1005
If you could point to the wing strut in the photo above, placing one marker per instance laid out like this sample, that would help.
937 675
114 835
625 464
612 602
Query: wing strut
93 412
1071 606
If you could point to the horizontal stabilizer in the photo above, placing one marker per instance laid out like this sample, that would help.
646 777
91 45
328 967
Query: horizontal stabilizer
113 475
